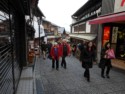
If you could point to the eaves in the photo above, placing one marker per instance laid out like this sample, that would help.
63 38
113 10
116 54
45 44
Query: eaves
84 20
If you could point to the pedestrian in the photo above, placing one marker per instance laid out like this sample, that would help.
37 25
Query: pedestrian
43 47
87 59
55 54
106 60
95 49
65 51
49 45
82 47
78 51
74 49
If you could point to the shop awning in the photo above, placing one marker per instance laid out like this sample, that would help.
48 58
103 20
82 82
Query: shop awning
108 18
83 37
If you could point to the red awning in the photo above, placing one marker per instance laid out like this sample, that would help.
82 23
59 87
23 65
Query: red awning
108 18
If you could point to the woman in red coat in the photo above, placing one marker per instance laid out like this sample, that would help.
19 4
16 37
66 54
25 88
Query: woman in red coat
55 54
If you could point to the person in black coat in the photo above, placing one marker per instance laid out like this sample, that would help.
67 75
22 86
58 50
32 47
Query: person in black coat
74 49
105 62
82 47
43 48
49 46
87 55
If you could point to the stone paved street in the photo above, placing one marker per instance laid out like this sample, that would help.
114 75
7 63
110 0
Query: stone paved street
72 81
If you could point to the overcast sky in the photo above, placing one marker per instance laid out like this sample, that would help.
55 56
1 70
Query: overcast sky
59 11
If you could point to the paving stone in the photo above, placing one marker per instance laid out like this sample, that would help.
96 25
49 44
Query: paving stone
72 81
104 88
117 92
39 87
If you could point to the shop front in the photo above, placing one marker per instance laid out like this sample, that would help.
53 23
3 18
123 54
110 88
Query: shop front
79 38
113 31
116 36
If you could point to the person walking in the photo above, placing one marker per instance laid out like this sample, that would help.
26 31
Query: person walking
95 50
49 45
82 47
55 54
106 55
65 51
74 49
43 48
87 59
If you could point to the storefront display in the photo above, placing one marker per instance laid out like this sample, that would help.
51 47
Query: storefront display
121 45
116 36
112 28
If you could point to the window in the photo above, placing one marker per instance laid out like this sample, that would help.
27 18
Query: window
76 29
80 27
120 50
94 28
4 28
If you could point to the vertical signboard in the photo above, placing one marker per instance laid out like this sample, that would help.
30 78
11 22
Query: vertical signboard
114 34
119 6
106 36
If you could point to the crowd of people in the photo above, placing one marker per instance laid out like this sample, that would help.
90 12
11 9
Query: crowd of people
87 56
55 51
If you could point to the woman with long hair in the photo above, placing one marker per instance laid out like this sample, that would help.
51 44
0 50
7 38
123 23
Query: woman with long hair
87 55
106 60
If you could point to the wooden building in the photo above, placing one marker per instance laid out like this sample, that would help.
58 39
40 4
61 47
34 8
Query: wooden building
80 28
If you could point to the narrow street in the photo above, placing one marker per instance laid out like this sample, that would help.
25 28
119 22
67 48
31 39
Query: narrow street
72 81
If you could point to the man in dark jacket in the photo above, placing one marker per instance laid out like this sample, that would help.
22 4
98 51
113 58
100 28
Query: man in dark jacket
65 49
49 45
43 48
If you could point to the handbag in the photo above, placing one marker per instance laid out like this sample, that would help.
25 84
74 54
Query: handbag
110 54
102 63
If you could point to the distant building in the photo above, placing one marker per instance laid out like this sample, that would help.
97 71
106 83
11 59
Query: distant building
51 31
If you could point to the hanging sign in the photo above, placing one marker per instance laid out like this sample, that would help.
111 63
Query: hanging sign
106 35
119 6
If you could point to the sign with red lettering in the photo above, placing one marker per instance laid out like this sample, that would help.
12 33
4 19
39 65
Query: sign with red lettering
119 6
123 2
106 35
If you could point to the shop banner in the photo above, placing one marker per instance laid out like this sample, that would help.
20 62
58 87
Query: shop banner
119 6
114 34
106 35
